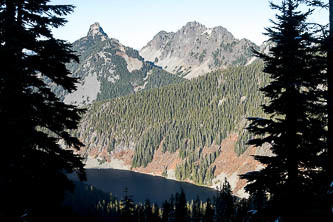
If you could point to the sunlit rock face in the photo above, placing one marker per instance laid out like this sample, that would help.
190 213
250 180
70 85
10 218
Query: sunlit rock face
108 69
195 50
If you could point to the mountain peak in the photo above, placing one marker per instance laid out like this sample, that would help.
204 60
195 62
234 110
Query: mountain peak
195 50
96 29
193 23
192 28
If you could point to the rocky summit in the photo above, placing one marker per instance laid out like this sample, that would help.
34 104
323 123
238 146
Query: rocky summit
108 69
96 31
195 50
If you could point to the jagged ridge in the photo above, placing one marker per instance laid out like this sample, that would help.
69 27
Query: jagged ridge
108 69
195 50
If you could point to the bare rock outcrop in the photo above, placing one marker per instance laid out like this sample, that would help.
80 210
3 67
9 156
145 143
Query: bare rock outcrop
195 50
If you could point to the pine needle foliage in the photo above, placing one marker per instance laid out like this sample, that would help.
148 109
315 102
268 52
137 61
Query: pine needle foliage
33 120
296 127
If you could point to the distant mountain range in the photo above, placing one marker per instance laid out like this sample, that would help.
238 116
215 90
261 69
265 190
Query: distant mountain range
108 69
195 50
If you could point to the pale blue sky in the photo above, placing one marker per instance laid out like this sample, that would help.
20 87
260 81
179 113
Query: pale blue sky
135 22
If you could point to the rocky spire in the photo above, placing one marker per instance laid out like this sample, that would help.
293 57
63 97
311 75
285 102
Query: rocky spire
96 30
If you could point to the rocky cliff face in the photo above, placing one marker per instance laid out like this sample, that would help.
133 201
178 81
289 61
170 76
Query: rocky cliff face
195 50
109 69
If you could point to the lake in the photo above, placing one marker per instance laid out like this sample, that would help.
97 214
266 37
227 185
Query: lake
142 186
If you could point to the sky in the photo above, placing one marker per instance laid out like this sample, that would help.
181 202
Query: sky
135 22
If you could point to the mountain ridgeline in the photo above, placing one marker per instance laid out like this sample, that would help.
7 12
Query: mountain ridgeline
195 50
190 120
108 69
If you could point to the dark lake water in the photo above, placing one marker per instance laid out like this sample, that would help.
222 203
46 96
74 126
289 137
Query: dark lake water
142 186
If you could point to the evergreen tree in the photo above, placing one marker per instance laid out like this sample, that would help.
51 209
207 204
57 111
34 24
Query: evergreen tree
180 207
148 211
242 209
33 120
329 47
209 213
325 40
156 213
138 213
257 204
224 203
127 207
196 210
296 127
167 210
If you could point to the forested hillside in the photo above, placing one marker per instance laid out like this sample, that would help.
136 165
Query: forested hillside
185 117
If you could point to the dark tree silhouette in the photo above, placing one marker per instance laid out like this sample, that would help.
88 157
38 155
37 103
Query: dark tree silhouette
242 210
167 210
224 203
156 213
296 127
329 47
33 120
196 210
209 212
148 211
180 206
326 41
127 207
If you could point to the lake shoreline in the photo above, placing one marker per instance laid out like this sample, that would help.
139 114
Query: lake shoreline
143 186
